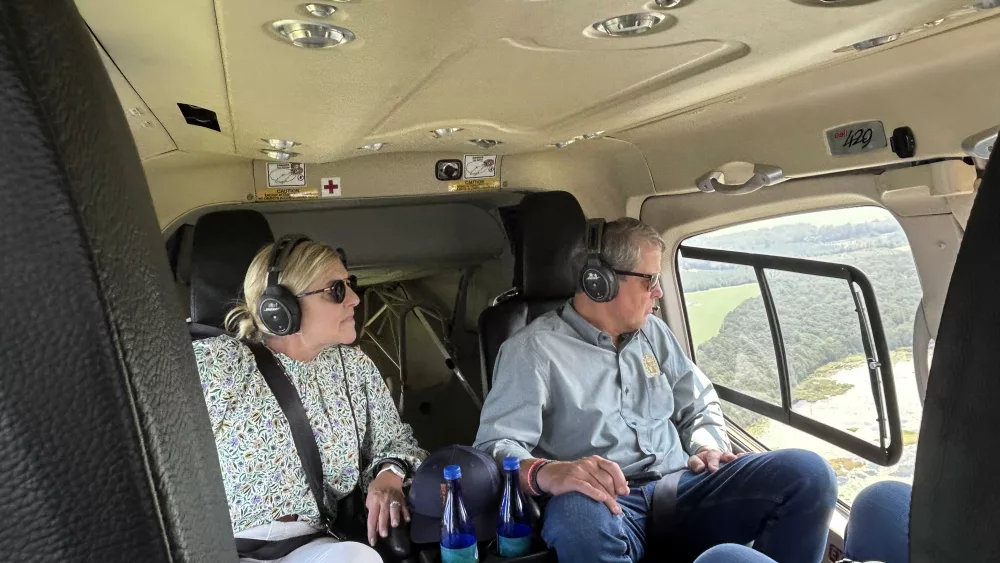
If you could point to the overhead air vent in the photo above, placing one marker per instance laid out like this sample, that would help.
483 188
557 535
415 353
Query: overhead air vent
320 10
629 25
312 35
485 143
200 117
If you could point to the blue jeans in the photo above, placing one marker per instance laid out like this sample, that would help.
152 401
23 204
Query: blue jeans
876 531
879 526
782 501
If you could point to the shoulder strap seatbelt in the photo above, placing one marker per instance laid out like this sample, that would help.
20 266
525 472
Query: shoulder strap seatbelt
291 405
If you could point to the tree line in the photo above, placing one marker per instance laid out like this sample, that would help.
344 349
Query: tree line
817 316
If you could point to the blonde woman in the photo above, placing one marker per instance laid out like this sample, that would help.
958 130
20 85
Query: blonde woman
361 440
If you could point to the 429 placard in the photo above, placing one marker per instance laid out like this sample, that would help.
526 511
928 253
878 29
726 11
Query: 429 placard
856 138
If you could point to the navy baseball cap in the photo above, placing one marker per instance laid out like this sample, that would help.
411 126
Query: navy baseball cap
481 485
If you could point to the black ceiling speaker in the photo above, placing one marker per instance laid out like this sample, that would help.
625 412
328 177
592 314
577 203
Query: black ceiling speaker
200 117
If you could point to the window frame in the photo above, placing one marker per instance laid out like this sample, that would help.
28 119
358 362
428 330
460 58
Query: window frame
878 359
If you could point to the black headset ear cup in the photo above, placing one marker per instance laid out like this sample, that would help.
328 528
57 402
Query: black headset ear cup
279 311
598 281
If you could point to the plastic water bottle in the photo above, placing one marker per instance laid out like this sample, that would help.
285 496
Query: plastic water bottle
458 535
513 525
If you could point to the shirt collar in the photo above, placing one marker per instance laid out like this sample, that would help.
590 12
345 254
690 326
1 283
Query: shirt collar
588 332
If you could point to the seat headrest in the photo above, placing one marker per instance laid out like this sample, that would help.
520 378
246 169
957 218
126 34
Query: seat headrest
225 242
551 233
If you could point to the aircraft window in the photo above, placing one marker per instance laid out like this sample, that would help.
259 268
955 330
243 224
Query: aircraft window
825 344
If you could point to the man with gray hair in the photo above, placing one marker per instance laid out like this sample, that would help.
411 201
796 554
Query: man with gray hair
598 397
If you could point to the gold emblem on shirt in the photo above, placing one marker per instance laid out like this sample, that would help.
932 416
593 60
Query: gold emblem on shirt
652 368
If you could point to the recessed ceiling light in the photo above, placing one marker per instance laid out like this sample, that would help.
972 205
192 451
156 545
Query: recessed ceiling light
485 143
279 144
438 133
594 135
278 155
629 25
312 35
373 147
321 10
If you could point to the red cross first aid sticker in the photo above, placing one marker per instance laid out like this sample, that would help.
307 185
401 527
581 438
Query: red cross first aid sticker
329 187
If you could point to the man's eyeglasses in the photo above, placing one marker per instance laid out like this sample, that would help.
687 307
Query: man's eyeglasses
652 280
336 290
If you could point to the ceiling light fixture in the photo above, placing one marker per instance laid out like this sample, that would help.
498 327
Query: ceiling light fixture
594 135
869 43
278 155
438 133
320 10
312 35
485 143
279 144
373 147
667 3
629 25
564 144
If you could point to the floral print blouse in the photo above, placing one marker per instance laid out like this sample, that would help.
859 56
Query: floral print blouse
261 470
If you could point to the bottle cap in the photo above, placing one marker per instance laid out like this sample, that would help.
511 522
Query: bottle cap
511 464
452 472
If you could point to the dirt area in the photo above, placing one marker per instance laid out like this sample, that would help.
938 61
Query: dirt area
854 411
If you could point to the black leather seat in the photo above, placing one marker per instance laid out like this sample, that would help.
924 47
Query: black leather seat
548 237
956 492
225 242
107 448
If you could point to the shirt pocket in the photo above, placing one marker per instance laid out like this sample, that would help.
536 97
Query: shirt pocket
659 397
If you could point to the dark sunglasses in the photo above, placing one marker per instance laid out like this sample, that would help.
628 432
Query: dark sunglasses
652 280
337 289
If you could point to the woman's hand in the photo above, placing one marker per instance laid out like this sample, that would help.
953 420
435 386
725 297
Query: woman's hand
386 503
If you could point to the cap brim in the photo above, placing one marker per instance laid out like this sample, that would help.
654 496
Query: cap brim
425 529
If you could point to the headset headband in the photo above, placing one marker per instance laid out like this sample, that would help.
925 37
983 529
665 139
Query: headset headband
595 236
279 256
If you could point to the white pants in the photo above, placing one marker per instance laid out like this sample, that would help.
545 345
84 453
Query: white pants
323 550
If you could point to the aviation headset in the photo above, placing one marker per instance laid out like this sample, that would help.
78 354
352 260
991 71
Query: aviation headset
279 308
597 279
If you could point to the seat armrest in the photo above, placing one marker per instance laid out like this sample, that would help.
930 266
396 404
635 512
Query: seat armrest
397 546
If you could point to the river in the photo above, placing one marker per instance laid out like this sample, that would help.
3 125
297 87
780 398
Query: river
854 412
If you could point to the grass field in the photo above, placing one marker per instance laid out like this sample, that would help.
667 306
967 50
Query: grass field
707 309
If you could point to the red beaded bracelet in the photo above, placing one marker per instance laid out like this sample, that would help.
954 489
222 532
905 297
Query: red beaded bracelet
537 466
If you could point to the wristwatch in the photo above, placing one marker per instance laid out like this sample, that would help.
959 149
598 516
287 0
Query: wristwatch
388 466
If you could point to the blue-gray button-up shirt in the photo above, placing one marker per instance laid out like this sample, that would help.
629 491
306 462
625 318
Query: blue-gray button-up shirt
563 391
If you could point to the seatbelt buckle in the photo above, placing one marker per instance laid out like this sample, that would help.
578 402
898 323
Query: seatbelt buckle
336 533
644 478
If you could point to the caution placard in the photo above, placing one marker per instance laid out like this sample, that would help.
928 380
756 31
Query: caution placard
474 185
285 194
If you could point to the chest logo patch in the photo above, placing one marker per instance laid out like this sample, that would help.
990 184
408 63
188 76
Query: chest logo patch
649 363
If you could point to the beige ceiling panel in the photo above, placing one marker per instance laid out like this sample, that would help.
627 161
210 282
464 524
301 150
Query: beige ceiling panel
151 139
525 73
169 52
493 75
603 174
180 182
941 86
